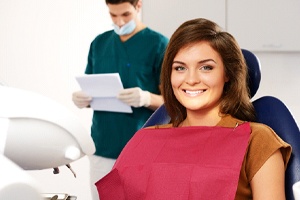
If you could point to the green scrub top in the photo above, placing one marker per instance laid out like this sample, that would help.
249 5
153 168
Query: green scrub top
138 61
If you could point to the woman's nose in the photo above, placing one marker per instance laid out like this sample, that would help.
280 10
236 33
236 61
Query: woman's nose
193 78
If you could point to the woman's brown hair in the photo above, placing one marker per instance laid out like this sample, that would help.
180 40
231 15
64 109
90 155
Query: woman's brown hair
235 99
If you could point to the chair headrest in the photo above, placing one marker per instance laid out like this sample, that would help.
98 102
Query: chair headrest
253 65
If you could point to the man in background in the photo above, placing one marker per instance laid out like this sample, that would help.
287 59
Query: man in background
135 52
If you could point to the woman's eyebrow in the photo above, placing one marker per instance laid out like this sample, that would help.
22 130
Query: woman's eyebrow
200 62
207 60
178 62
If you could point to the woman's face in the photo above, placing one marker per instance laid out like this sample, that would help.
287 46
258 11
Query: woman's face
198 77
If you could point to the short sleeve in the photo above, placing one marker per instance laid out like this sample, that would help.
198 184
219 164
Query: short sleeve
263 143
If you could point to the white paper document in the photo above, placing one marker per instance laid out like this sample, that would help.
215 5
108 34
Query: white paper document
104 89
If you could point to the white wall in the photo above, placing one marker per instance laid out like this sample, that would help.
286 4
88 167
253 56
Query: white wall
165 16
44 45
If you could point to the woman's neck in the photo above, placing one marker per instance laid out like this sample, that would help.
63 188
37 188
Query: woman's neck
210 118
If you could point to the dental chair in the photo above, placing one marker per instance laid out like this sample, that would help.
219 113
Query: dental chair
270 111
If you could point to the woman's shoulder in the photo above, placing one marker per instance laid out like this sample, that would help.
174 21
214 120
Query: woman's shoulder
265 133
260 126
159 126
263 143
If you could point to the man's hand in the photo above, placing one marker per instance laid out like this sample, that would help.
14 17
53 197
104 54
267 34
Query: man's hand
135 97
81 100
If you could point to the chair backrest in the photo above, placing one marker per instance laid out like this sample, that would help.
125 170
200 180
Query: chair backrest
270 111
273 112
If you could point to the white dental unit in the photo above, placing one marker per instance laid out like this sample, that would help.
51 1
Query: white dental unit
36 133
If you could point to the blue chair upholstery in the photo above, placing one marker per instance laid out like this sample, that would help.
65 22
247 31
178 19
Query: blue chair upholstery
270 111
274 113
253 65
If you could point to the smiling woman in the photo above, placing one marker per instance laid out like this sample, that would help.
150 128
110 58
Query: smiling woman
212 144
204 40
198 78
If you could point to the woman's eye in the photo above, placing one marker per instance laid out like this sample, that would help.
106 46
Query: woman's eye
179 68
206 68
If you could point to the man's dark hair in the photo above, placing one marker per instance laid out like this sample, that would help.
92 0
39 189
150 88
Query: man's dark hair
133 2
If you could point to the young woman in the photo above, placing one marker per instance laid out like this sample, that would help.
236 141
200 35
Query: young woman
212 149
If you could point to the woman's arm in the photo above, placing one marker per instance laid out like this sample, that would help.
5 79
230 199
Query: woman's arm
268 182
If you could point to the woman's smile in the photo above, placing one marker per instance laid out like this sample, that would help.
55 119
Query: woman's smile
198 77
194 93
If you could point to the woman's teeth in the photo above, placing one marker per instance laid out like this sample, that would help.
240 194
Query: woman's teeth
194 93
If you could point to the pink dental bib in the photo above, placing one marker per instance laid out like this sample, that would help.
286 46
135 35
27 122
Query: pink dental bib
183 163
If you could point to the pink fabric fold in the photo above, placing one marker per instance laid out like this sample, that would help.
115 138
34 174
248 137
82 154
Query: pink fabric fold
178 164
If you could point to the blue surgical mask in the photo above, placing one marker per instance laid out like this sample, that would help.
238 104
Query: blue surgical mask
125 29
